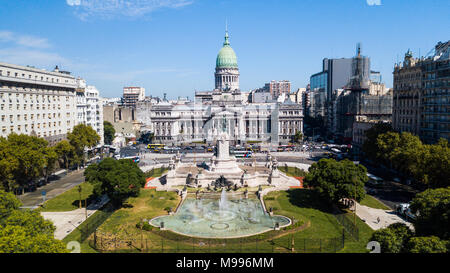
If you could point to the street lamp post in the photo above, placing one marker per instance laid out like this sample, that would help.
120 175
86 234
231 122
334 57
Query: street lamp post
79 192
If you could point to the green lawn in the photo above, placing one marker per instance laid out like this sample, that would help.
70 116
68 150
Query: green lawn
156 172
365 232
292 171
147 205
68 200
372 202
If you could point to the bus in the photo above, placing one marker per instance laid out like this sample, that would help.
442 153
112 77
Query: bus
136 159
242 154
286 148
156 146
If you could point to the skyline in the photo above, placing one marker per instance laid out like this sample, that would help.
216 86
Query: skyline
170 46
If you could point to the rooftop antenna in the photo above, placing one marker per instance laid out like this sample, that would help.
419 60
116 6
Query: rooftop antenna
358 49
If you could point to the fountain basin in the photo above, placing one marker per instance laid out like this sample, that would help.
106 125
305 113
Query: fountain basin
207 218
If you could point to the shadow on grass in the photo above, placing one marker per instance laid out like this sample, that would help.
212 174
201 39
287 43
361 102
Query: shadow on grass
308 199
91 199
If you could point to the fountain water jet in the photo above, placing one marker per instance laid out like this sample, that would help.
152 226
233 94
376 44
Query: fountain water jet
223 200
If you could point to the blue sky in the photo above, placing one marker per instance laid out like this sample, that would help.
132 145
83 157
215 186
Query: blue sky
170 46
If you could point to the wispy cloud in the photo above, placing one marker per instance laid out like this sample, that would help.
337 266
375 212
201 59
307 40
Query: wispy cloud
373 2
23 56
24 49
86 9
23 40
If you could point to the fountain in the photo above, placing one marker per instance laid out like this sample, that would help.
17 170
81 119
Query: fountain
224 216
223 200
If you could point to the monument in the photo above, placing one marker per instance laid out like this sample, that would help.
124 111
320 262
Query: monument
224 163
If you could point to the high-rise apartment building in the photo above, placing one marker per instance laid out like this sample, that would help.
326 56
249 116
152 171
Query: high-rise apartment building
435 120
276 88
421 95
131 95
406 111
37 102
90 107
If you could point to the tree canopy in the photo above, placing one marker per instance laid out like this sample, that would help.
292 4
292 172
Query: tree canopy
431 244
65 151
109 132
433 208
335 180
25 231
119 179
31 154
392 238
81 137
370 145
408 155
8 203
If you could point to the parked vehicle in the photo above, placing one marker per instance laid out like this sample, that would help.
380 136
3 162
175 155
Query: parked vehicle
404 210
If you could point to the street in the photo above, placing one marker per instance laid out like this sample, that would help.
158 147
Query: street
53 189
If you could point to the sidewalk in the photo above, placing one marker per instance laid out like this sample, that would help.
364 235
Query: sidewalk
66 222
387 217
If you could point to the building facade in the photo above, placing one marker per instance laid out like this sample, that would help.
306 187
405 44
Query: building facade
406 112
435 120
90 107
421 95
131 95
277 88
225 108
37 102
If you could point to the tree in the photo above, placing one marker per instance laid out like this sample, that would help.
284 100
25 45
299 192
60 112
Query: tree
8 203
109 132
119 179
147 137
15 239
51 157
431 244
82 137
392 238
29 151
25 231
8 163
433 213
32 221
407 157
298 137
336 180
370 147
437 162
65 151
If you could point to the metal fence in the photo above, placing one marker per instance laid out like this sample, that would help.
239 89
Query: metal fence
348 225
287 244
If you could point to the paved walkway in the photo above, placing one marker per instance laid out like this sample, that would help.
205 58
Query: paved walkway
66 222
387 217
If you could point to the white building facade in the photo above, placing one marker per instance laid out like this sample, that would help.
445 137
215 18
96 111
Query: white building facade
37 102
90 107
225 108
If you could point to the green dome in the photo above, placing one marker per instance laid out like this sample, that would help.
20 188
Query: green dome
226 57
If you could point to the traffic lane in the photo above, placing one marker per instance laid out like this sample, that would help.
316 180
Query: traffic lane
393 194
53 189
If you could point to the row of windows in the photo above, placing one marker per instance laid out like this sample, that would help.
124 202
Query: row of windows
25 107
38 116
24 129
32 97
8 73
